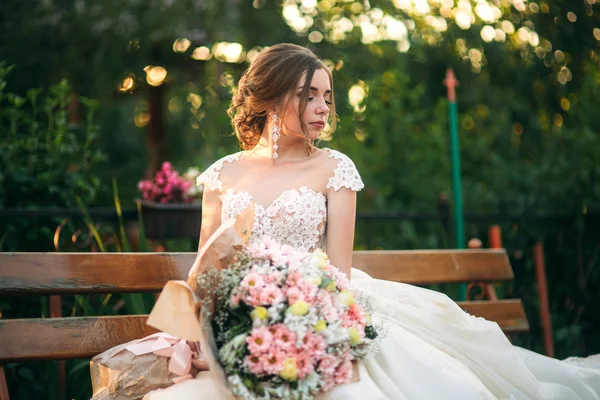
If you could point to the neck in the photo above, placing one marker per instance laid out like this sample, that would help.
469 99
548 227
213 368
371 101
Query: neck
290 147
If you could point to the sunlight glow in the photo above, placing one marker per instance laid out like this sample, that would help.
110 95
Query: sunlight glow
181 45
127 84
315 37
141 118
335 21
195 100
463 19
156 75
508 27
488 34
202 53
487 12
252 54
396 30
356 95
421 7
500 35
229 52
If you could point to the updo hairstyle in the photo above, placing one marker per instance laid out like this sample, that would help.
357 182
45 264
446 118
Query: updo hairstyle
271 78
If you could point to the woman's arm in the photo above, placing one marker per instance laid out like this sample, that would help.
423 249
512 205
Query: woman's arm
211 214
341 216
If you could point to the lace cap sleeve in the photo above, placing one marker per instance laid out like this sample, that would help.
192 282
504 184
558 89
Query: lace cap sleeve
211 178
345 173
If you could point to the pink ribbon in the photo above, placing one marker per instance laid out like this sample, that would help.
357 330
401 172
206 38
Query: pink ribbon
165 345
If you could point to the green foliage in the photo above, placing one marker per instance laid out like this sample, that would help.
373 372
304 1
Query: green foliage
45 161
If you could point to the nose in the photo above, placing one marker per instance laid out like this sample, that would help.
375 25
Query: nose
322 107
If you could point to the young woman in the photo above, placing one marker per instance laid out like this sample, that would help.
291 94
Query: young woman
306 197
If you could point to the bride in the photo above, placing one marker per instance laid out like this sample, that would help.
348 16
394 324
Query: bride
306 197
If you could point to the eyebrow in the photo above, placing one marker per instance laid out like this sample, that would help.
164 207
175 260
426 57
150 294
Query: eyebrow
314 89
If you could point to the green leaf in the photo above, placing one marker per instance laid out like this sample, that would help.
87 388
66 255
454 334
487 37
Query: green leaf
126 245
89 222
134 303
143 244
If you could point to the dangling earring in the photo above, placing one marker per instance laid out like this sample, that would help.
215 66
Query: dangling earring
275 134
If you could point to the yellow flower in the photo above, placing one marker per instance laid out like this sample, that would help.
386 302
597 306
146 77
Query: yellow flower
299 308
320 258
321 325
289 371
331 287
259 313
346 297
317 280
354 336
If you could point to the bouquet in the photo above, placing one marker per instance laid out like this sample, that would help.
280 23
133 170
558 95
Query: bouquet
285 324
273 322
169 187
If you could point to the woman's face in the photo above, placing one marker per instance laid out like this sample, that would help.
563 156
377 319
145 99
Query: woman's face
317 107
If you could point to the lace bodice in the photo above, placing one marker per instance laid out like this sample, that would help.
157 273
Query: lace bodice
297 216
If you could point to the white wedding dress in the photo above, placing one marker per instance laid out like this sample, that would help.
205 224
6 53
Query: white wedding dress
431 348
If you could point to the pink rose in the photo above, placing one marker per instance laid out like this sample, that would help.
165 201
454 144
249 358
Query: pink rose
294 278
252 280
304 363
260 340
357 313
308 289
166 166
274 277
294 294
343 373
314 344
168 188
254 364
328 364
144 185
272 362
271 294
326 306
284 338
253 297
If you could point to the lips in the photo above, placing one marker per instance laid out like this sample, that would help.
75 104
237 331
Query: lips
318 124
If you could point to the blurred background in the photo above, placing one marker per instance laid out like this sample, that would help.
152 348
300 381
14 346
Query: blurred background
96 95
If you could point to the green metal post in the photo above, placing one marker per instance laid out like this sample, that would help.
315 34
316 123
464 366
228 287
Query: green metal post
456 181
459 227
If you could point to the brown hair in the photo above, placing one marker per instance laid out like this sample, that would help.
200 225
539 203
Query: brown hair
272 76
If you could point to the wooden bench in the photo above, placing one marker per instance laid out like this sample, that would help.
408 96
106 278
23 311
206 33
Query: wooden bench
86 273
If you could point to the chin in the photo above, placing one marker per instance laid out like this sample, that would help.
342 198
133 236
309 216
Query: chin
314 135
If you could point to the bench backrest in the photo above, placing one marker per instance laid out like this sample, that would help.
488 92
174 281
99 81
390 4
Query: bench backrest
83 273
77 273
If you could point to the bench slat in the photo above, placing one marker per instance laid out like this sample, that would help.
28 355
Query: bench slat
66 338
70 273
435 266
67 273
509 314
83 337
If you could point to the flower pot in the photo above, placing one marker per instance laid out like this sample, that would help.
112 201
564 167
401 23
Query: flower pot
171 221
